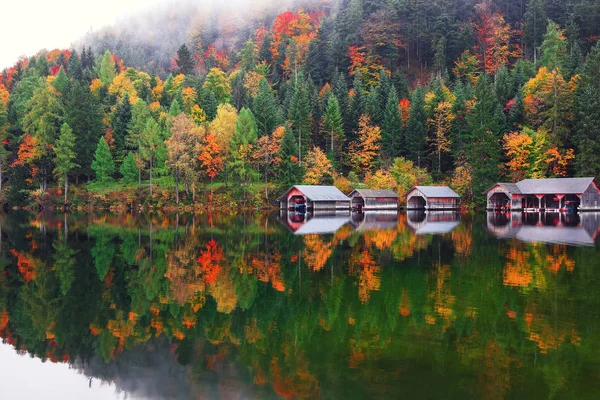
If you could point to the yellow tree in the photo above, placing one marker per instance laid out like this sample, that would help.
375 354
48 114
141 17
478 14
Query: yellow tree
518 150
365 149
440 124
318 167
223 126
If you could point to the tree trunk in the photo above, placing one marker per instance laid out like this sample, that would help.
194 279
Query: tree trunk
150 176
177 187
66 187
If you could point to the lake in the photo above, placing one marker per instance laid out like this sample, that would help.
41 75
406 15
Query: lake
361 306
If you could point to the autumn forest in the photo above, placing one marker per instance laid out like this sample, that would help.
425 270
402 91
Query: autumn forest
229 109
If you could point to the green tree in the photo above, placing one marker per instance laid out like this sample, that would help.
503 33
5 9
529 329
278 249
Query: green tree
44 115
266 109
392 127
554 48
108 70
240 146
120 120
103 164
65 156
484 148
332 127
416 128
218 83
129 169
74 67
248 56
299 115
150 143
535 23
185 60
61 81
83 114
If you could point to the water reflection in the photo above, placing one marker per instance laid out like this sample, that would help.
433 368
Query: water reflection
236 306
432 222
580 229
314 223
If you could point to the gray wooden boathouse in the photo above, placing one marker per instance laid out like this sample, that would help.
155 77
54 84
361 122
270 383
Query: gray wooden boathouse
553 195
432 198
314 198
369 199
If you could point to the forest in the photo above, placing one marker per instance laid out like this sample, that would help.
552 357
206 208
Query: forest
227 108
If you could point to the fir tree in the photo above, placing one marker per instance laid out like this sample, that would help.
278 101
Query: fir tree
120 124
299 116
290 170
332 127
64 149
484 149
185 60
74 67
392 127
108 71
416 129
61 81
554 48
266 109
103 164
129 169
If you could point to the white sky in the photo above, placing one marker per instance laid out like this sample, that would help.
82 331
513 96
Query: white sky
28 26
23 377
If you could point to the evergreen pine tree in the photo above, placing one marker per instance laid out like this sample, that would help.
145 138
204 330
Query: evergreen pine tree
416 129
108 71
300 119
208 102
129 169
289 170
392 127
185 60
64 148
175 109
266 109
120 124
484 149
61 81
74 67
332 127
103 164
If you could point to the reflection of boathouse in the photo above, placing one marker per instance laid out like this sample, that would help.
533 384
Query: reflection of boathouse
558 194
573 229
313 223
375 220
432 198
432 222
313 198
368 199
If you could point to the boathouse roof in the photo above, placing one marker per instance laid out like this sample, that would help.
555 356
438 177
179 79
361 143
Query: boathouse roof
548 186
370 193
436 191
319 193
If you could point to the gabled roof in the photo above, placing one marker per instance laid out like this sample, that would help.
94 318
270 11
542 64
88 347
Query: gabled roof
374 193
555 185
547 186
436 191
319 193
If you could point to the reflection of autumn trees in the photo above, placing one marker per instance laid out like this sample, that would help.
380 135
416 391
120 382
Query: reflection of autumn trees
235 290
316 251
361 264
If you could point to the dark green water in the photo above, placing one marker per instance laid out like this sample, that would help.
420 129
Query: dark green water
258 306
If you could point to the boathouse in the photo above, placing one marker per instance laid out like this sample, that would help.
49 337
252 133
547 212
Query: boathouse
550 195
368 199
313 198
432 198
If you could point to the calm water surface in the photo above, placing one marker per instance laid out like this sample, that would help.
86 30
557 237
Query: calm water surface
374 306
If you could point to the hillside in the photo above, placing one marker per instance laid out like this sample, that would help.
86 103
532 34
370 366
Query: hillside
254 96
